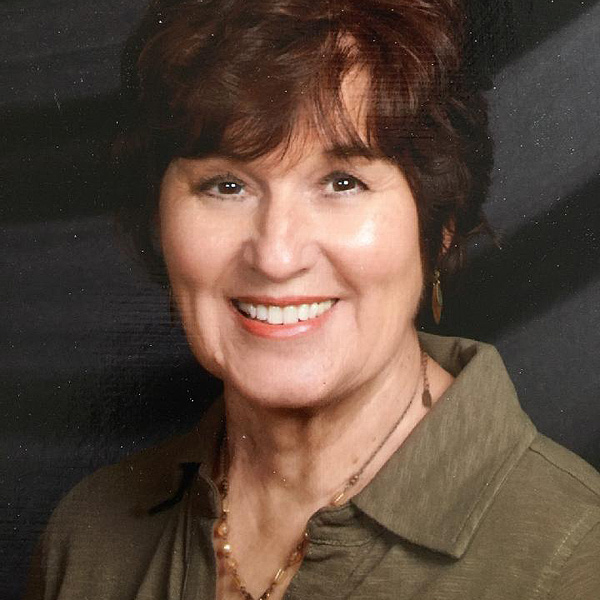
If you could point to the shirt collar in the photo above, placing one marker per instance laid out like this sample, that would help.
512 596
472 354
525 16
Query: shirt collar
184 465
437 486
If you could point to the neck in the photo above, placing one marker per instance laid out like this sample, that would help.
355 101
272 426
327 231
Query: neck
304 458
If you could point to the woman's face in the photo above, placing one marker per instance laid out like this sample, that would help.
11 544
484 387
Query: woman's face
297 277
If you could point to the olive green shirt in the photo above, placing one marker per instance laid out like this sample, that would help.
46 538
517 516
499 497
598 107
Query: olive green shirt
475 504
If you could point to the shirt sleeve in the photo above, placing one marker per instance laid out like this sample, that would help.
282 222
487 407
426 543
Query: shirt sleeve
46 567
580 576
37 588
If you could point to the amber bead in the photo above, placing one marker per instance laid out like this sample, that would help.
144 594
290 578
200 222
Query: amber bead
338 499
222 529
226 549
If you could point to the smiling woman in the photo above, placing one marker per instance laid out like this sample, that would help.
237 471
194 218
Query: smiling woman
312 169
331 240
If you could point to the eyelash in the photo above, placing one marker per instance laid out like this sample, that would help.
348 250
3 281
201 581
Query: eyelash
205 186
337 175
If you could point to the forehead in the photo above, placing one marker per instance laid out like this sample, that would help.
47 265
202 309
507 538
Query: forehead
336 126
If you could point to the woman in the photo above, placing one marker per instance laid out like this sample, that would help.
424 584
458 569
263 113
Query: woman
311 173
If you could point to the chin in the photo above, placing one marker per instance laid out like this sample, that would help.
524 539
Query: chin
289 392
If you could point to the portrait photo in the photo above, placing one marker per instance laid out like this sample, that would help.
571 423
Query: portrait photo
301 299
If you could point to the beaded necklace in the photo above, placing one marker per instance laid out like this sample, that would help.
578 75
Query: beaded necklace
222 528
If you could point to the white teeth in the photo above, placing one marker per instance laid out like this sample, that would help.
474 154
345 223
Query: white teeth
303 312
290 315
323 306
284 315
262 313
244 307
275 315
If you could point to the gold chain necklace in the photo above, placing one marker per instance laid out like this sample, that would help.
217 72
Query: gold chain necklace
222 529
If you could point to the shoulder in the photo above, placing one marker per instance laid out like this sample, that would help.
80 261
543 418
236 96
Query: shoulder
559 484
559 466
141 481
109 504
103 535
579 576
551 504
125 489
555 484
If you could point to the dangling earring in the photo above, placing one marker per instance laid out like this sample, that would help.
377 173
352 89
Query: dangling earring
437 301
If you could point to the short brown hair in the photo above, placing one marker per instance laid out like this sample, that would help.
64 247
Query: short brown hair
196 70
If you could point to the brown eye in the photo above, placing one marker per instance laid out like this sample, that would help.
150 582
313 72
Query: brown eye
221 185
340 183
343 184
229 187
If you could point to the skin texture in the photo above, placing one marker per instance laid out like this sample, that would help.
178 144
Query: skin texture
282 226
290 235
303 412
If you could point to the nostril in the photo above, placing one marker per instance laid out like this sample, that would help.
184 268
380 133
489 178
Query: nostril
275 260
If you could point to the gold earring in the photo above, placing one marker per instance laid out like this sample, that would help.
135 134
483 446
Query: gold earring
437 301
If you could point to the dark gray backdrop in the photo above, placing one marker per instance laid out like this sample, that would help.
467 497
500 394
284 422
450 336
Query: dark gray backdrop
91 367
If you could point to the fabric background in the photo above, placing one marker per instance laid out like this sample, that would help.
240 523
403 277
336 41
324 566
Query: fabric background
91 367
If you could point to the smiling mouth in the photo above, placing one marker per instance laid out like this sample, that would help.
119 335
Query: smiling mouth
283 315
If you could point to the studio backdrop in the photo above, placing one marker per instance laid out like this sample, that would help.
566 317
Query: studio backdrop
92 367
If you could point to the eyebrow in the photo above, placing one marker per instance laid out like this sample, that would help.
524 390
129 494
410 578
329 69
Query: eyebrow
339 151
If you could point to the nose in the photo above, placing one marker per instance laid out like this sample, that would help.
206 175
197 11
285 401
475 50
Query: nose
282 243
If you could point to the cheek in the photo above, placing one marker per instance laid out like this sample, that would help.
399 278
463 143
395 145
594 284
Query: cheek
193 252
383 250
195 261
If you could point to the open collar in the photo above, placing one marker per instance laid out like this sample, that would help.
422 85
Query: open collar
437 486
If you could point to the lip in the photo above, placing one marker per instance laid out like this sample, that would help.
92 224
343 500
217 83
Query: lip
283 300
291 330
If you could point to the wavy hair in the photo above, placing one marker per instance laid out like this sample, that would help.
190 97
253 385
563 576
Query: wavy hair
233 76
